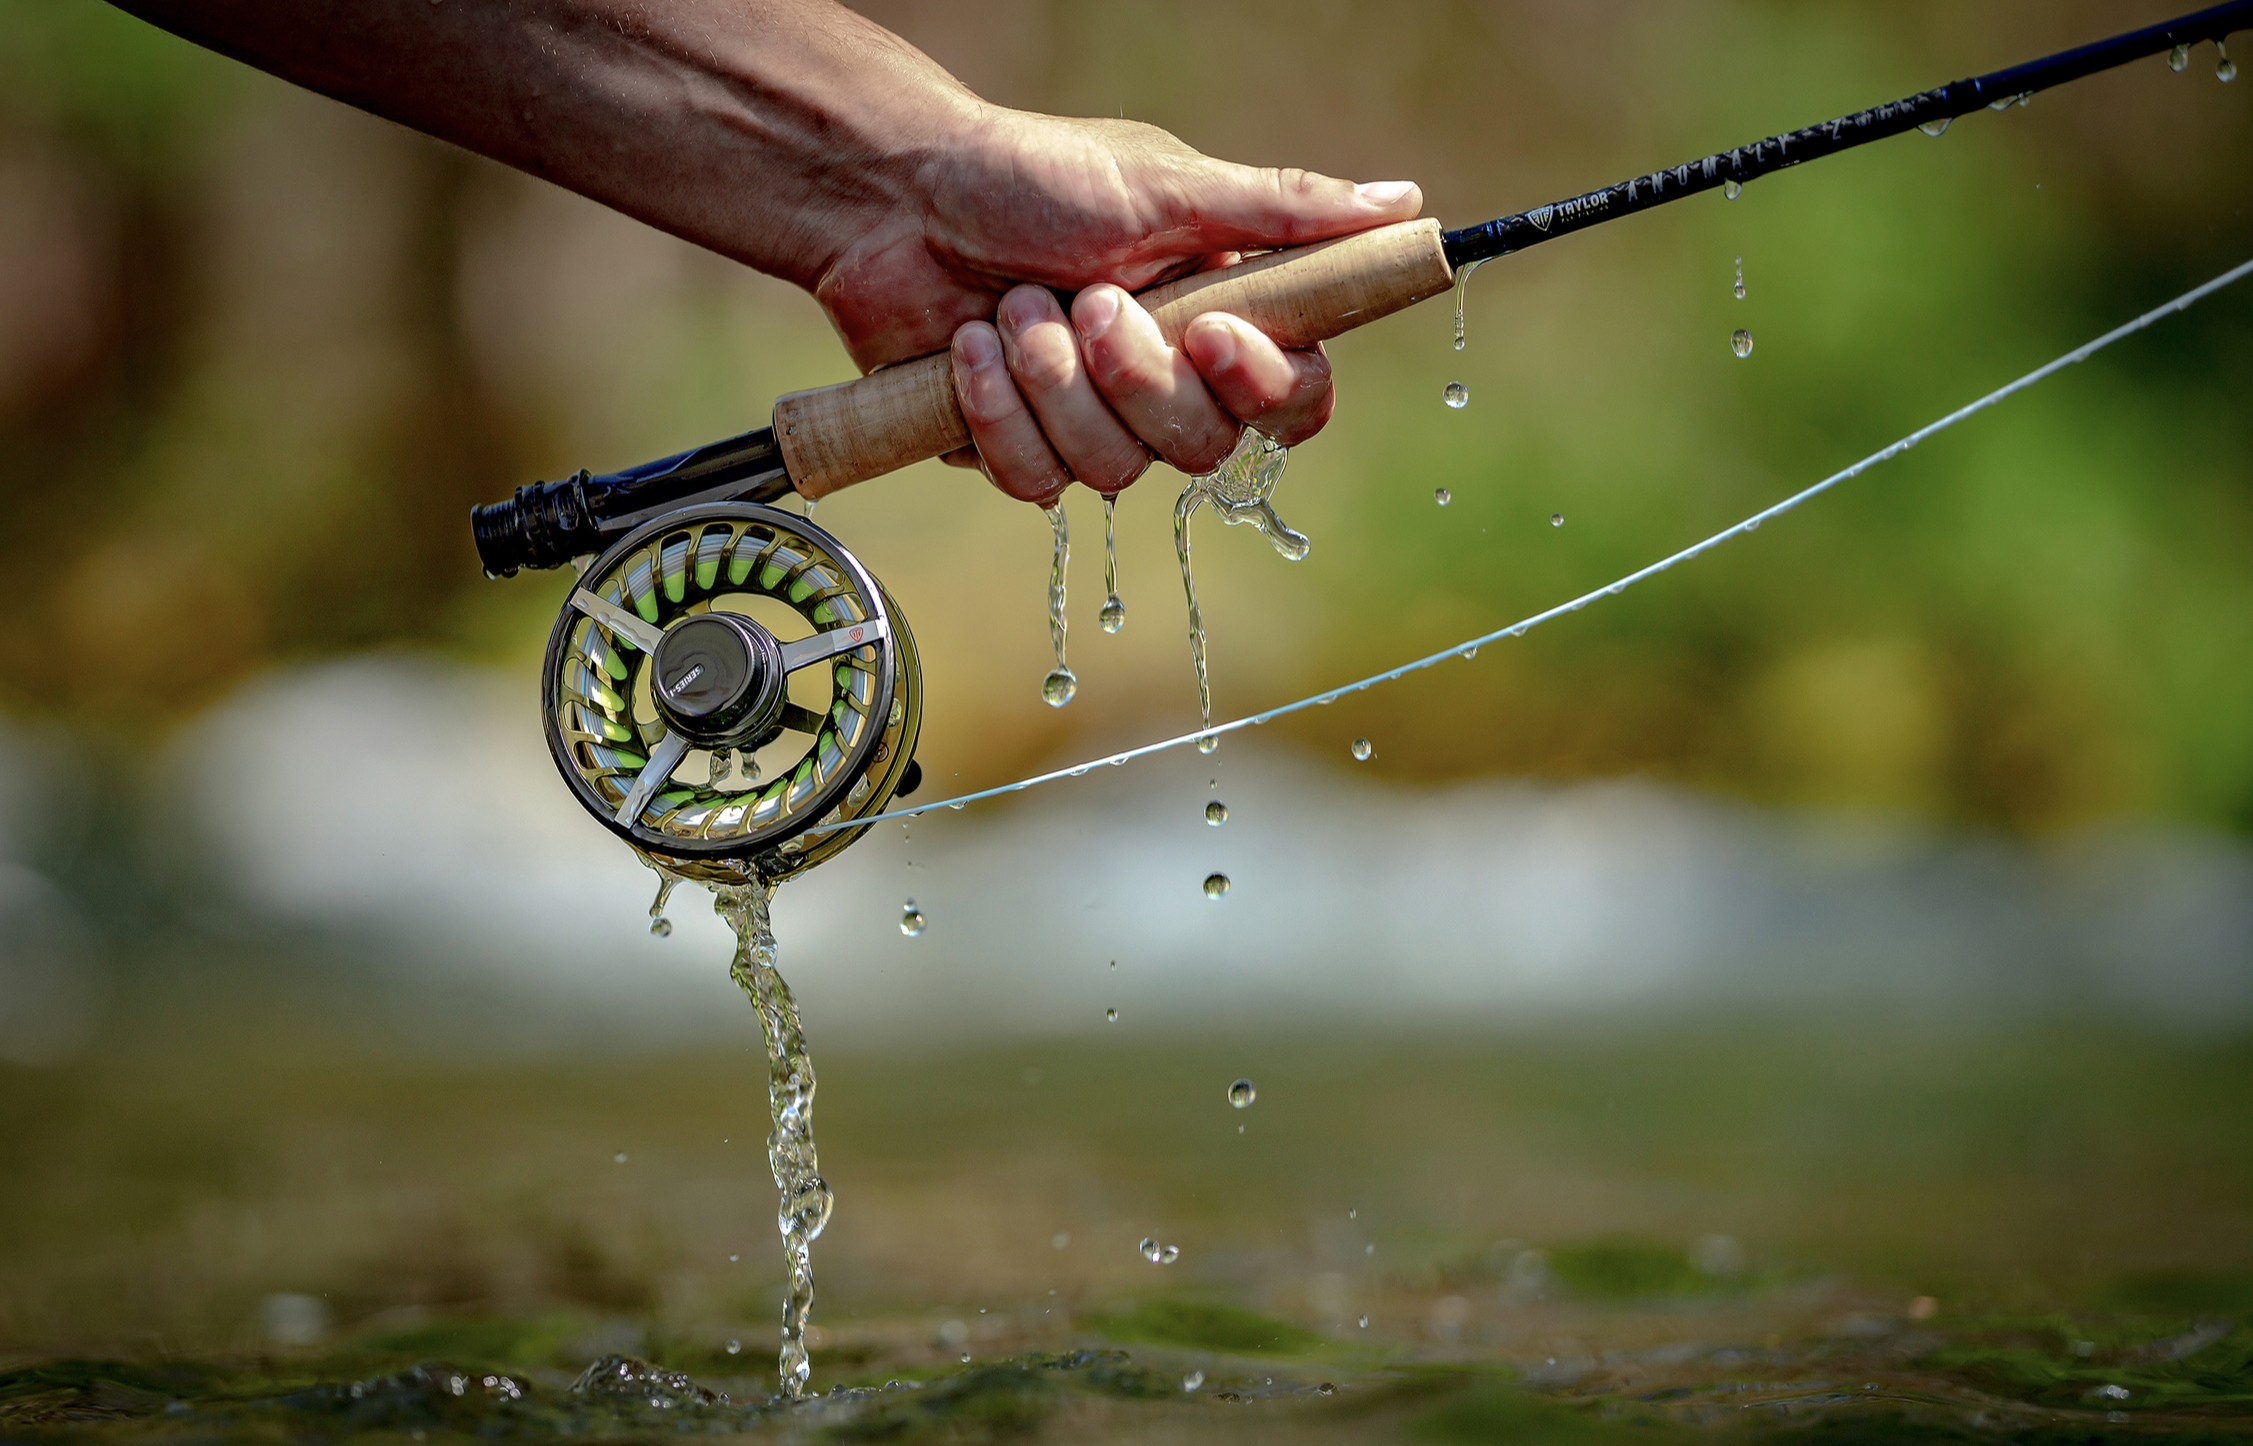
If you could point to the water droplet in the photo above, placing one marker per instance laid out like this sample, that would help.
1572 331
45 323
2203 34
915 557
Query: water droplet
1061 1240
1556 519
619 1158
966 1358
1739 288
735 1348
1193 1381
1370 1248
1462 279
2225 69
1731 189
1110 1016
1216 886
1210 743
1150 1250
1456 395
1242 1093
1362 751
1442 496
1352 1213
1365 1322
733 1256
1216 813
1058 687
1113 616
661 926
1740 342
2178 59
1938 128
912 922
1169 1255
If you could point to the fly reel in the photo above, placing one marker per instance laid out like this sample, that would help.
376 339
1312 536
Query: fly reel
725 679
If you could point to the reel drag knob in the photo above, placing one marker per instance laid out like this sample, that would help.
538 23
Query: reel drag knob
729 689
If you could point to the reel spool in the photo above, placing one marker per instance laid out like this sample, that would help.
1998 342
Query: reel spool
732 630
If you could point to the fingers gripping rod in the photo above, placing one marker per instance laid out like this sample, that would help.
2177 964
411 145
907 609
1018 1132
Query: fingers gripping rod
833 437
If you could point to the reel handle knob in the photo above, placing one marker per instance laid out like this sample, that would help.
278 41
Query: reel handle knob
835 436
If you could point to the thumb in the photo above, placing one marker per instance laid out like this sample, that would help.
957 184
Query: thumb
1227 207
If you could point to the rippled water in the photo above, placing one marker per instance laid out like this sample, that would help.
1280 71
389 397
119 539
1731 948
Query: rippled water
1657 1234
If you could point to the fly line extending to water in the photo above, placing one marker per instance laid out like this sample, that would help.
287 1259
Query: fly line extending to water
1613 589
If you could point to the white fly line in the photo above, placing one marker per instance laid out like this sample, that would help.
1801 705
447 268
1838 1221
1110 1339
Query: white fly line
1613 589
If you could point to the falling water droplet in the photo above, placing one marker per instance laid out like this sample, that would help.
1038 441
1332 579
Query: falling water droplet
619 1158
1740 286
2178 59
1216 813
1740 342
1362 752
1365 1322
734 1257
1210 743
912 922
1936 128
1242 1093
1217 886
1462 279
1113 616
1058 687
1110 1016
1731 189
1169 1255
1149 1248
1193 1381
735 1348
1442 496
661 926
1556 519
1456 395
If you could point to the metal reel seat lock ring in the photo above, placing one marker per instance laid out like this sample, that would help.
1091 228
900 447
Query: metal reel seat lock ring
726 678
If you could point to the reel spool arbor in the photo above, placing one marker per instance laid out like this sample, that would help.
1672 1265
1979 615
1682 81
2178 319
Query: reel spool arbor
732 633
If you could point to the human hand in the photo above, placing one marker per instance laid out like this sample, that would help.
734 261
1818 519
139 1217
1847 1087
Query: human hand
1017 207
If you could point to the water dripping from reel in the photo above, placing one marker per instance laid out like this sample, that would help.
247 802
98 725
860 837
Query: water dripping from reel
1740 342
1456 395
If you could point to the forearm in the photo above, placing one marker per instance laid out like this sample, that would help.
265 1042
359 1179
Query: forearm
771 131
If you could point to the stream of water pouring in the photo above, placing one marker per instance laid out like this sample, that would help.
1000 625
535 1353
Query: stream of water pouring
1058 687
805 1199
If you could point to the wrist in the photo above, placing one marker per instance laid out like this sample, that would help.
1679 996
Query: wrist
839 131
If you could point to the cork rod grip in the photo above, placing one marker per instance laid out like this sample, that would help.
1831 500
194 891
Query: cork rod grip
836 436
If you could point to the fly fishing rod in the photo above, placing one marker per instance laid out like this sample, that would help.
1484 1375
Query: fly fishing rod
676 712
831 438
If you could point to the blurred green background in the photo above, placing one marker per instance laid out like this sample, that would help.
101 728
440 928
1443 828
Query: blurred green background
258 355
1872 897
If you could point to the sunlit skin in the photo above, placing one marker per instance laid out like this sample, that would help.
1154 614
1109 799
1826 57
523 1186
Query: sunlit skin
806 141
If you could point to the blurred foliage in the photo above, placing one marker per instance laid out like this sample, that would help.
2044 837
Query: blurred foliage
259 354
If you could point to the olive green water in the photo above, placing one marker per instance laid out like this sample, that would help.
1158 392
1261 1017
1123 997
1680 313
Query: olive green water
1767 1228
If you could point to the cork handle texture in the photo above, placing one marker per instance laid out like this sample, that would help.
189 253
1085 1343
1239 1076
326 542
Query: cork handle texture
836 436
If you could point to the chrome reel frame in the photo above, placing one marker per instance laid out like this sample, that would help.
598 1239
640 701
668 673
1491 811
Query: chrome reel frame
620 759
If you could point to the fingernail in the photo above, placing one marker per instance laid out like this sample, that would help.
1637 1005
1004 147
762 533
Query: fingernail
977 347
1217 340
1384 193
1095 310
